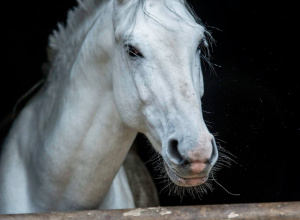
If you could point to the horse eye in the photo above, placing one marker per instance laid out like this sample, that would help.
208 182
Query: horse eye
133 52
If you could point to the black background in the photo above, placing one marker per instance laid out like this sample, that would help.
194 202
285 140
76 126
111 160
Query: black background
252 100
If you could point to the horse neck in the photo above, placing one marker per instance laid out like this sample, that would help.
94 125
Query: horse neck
78 127
79 84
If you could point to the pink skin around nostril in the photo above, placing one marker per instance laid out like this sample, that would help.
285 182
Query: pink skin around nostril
197 167
201 153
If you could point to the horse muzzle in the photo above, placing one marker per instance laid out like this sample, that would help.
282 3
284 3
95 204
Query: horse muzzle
190 167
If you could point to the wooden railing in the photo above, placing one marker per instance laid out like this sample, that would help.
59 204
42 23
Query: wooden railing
282 210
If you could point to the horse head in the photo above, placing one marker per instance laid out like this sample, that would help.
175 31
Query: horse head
158 84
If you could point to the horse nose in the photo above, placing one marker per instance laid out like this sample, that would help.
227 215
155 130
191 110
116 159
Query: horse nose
180 155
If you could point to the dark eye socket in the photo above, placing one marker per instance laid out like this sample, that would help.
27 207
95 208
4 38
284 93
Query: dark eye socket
133 52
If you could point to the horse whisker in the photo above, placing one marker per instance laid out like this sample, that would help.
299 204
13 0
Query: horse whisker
233 194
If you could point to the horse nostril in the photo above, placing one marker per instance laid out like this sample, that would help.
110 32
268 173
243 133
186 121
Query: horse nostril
174 153
214 156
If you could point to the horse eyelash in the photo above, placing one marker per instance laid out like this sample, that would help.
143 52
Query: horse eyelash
203 49
132 51
203 46
204 53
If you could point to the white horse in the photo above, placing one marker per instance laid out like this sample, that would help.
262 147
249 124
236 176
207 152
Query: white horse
118 67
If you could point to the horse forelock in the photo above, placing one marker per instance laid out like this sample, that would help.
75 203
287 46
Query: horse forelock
127 16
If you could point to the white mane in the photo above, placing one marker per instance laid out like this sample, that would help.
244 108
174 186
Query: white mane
83 16
79 21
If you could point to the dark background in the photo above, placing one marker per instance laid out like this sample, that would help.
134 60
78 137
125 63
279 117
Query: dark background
252 98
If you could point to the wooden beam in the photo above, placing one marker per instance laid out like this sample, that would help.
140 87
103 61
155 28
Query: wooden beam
281 210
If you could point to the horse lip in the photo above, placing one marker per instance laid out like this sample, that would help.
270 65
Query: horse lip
185 181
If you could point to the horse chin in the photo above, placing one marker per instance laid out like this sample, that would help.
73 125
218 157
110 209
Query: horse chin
185 181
